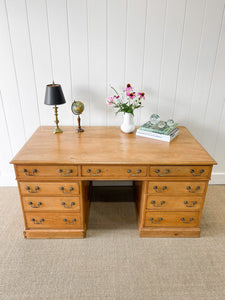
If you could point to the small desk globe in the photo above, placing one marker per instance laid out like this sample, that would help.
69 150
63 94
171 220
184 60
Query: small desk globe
77 108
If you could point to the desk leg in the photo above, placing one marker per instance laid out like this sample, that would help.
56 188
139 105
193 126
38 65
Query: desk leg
85 204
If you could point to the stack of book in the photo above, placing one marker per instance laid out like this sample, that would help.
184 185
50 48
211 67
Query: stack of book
166 134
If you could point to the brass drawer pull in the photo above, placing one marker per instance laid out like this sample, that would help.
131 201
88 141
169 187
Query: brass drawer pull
33 205
68 222
71 204
196 189
156 222
35 222
158 205
32 192
98 171
64 174
63 190
157 171
158 191
187 222
192 171
129 171
30 174
190 205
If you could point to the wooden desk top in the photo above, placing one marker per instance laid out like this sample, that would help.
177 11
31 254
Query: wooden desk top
108 145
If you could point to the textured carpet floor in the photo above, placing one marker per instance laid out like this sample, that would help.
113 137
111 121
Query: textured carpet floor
113 262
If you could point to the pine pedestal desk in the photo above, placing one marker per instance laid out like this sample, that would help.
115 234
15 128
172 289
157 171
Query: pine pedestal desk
54 172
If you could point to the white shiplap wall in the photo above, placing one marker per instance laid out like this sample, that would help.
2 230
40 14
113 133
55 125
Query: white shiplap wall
174 50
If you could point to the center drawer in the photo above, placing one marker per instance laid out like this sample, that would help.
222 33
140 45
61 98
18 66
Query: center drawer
51 203
176 188
114 171
49 188
52 220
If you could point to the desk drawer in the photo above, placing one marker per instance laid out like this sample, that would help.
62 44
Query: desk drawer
114 171
52 220
49 188
174 203
51 204
171 219
180 171
176 188
34 171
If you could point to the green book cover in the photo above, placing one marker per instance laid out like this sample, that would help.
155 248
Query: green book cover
154 128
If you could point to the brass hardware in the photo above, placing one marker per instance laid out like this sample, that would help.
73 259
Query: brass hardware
187 222
157 171
139 171
71 204
158 205
158 191
129 171
196 189
68 172
68 222
156 222
98 171
29 190
35 222
188 205
200 172
33 205
62 189
30 174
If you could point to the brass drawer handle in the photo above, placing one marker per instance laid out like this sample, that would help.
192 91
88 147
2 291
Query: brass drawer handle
30 174
159 191
129 171
187 222
157 171
32 192
33 205
65 174
63 190
98 171
190 205
68 222
157 205
156 222
192 171
36 222
71 204
196 189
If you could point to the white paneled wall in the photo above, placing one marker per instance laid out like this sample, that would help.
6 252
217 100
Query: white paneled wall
173 50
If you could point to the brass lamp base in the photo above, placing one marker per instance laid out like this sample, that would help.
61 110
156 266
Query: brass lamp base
57 130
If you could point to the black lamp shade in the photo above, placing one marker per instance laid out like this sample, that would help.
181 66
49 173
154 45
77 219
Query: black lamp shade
54 95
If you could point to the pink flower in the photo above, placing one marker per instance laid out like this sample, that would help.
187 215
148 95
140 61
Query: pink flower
128 89
109 100
141 95
131 95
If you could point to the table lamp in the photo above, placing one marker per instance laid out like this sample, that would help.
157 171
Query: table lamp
54 96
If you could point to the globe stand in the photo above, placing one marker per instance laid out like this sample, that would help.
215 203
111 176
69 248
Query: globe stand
79 129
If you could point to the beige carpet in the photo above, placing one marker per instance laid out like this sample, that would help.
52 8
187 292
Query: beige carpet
113 262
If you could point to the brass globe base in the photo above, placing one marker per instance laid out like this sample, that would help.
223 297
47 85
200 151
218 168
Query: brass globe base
79 130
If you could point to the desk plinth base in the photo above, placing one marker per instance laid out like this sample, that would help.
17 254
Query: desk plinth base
54 234
169 232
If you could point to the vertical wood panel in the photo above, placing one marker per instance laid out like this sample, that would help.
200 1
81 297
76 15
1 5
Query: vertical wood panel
116 16
153 55
97 60
60 50
206 63
19 31
78 37
9 84
189 58
220 144
135 42
38 25
174 26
